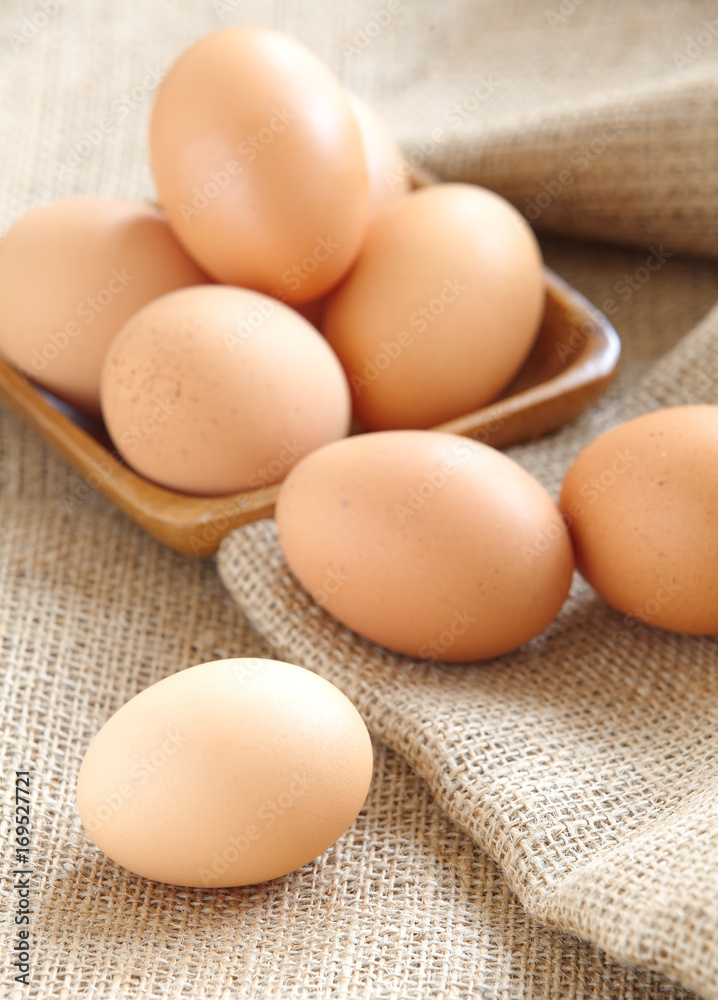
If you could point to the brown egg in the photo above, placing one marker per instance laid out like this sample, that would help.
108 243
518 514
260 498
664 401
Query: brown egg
642 505
259 163
441 308
388 170
71 274
228 773
217 389
429 544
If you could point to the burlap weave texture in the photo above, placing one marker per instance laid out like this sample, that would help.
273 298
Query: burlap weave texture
585 763
573 782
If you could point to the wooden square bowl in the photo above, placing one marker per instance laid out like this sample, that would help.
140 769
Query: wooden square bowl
571 364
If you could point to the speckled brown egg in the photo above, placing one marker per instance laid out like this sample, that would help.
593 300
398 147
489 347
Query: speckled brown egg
215 389
642 505
71 273
428 544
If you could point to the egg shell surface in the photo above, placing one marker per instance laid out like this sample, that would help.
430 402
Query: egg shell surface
259 163
388 170
642 504
71 274
215 389
227 773
440 310
426 543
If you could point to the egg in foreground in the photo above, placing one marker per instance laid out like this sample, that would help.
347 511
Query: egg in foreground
429 544
227 773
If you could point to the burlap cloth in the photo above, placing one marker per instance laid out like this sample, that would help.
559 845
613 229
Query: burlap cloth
564 839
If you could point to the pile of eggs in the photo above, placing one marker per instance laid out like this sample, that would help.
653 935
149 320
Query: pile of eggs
237 771
288 284
441 548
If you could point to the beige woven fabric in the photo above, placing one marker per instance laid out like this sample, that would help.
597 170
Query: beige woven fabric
574 782
585 763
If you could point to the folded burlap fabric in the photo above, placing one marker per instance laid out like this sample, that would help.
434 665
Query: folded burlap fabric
586 763
572 784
